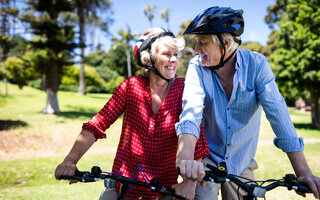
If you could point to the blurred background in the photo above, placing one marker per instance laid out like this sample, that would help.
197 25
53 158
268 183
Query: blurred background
61 60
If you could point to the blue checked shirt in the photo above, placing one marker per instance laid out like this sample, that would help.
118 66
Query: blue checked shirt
232 125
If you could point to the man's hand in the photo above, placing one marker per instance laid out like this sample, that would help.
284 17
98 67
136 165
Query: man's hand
191 169
312 182
303 172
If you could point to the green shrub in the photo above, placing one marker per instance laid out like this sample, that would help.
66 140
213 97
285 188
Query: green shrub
38 84
70 88
113 84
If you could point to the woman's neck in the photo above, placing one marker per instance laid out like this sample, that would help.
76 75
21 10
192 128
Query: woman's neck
159 89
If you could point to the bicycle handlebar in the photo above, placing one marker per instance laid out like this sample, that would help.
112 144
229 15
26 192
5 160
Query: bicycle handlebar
220 175
96 174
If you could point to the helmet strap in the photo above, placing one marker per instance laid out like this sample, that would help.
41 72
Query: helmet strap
222 61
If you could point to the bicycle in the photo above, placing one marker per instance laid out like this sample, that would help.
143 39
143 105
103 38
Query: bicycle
97 174
253 188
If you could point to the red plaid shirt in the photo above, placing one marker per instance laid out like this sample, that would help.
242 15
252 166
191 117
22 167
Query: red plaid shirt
147 139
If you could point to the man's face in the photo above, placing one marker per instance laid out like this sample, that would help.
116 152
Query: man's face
209 52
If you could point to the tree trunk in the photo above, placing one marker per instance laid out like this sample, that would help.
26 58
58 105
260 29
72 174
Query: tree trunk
52 106
315 109
128 60
82 85
52 85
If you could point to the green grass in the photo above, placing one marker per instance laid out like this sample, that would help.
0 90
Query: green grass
32 178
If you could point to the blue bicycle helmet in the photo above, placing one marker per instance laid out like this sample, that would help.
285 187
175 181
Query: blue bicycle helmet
216 21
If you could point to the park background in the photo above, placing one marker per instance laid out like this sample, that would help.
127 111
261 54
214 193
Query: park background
61 61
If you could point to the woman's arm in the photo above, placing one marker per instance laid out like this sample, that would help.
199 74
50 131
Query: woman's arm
83 142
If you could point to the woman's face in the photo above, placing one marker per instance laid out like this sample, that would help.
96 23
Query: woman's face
209 51
166 60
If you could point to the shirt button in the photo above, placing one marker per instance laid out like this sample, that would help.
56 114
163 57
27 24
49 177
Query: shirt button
229 127
227 157
228 144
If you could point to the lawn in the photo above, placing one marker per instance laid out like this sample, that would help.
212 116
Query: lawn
33 144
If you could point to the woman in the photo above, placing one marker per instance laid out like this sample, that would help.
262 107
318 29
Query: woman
151 105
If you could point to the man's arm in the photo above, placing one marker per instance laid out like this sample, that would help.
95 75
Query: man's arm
189 168
303 172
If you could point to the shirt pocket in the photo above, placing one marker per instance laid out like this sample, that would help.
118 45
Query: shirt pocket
246 101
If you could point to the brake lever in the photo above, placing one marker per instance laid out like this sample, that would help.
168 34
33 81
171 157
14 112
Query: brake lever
296 185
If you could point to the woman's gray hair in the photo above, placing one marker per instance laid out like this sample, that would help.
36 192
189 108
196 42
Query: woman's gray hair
233 45
177 43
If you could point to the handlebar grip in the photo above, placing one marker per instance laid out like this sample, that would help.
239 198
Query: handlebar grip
66 177
78 175
303 188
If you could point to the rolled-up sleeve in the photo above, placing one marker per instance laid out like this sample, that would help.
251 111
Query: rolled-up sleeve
289 144
193 99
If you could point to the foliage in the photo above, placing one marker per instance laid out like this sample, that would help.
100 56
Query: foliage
19 73
54 40
98 60
165 15
149 12
118 60
113 84
296 60
17 46
275 12
188 52
257 47
189 39
92 79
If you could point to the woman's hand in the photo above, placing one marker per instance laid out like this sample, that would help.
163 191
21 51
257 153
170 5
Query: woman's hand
67 168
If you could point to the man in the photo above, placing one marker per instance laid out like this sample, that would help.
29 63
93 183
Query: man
226 89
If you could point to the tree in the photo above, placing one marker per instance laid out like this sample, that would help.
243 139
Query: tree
117 60
296 61
99 60
84 7
165 15
52 44
257 47
275 12
149 12
19 73
188 52
127 37
7 16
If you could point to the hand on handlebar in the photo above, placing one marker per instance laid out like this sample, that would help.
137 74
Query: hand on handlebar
312 182
191 169
66 168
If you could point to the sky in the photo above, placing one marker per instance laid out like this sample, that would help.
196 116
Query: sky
131 12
